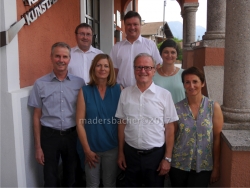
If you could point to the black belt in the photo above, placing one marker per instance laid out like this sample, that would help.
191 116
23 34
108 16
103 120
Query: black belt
61 132
144 152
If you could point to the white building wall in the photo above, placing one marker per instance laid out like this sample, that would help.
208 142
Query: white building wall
12 158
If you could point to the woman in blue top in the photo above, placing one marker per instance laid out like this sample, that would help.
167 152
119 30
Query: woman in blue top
96 122
168 75
196 152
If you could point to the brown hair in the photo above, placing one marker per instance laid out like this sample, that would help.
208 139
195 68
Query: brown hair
169 43
83 25
92 77
195 71
132 14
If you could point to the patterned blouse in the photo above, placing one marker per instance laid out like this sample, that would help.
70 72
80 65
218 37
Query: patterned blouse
193 148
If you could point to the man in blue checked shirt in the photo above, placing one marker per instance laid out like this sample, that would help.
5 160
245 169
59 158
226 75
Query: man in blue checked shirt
54 100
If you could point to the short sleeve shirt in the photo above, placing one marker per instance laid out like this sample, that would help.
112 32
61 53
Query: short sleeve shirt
145 114
57 99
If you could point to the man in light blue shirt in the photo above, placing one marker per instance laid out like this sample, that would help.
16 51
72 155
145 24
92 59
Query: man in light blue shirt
54 99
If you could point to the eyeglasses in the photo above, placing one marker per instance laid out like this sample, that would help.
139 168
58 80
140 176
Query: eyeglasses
85 34
146 68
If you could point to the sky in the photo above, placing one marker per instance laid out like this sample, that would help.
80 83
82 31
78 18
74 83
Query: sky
152 11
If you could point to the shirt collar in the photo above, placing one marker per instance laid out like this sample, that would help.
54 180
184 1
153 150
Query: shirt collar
91 49
151 88
139 39
53 76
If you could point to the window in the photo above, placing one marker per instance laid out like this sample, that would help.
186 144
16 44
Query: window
93 18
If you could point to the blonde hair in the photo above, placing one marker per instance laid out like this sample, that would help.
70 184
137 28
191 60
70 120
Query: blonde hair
111 80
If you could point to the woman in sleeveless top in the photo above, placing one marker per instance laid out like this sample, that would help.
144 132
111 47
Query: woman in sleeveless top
168 75
96 123
196 152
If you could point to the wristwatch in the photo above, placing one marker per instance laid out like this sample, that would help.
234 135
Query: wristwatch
168 159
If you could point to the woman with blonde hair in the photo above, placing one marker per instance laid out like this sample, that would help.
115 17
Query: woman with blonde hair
96 122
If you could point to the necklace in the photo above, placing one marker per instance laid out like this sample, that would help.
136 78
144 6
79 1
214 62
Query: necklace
170 73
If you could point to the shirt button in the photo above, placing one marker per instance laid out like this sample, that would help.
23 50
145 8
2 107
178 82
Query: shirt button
62 110
62 100
62 120
61 91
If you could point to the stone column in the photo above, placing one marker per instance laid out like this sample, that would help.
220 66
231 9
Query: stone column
216 24
189 23
236 95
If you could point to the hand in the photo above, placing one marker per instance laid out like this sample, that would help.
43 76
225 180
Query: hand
39 156
215 175
164 167
91 158
121 161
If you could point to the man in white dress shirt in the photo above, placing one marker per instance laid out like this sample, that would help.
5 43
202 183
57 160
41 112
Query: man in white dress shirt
81 59
83 54
124 52
146 128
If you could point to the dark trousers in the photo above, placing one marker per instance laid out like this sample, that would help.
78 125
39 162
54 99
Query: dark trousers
56 145
181 178
141 168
